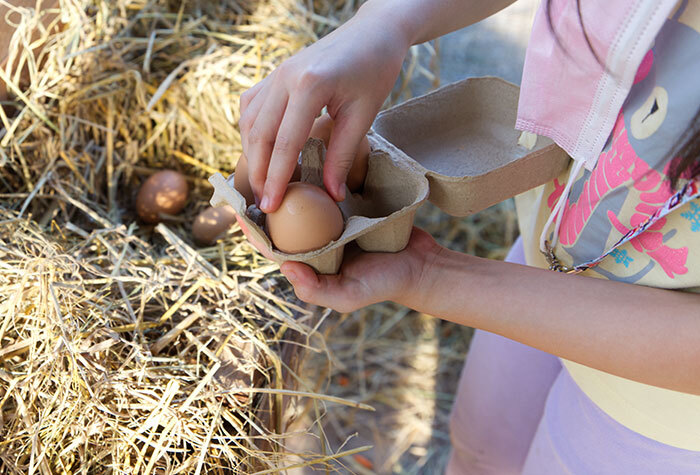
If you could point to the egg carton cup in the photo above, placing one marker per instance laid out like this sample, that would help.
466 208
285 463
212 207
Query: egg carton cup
456 147
380 219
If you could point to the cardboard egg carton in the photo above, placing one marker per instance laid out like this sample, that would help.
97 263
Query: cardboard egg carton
456 147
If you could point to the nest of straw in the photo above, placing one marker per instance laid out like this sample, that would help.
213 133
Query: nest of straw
123 347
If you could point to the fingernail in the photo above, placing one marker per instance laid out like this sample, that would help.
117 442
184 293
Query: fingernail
291 276
265 203
340 193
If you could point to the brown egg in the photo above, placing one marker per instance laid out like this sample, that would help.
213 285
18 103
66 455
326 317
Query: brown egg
211 224
163 192
242 184
307 219
240 180
322 129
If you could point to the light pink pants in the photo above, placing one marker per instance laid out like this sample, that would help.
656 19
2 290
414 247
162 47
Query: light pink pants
518 410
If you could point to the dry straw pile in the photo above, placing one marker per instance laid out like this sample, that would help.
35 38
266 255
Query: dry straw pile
123 347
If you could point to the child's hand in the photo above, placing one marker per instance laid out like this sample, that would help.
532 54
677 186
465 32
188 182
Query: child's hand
367 277
351 71
364 277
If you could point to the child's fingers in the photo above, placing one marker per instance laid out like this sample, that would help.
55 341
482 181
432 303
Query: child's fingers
251 102
345 139
293 131
332 291
255 243
261 139
249 95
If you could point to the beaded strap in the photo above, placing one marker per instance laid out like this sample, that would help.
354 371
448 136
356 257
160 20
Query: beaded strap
689 192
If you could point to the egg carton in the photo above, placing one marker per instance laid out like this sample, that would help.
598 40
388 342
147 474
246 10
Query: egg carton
455 147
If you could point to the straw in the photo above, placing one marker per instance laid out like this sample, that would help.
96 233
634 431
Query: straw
125 348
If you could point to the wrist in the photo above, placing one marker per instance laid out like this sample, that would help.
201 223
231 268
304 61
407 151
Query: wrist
387 15
425 256
450 285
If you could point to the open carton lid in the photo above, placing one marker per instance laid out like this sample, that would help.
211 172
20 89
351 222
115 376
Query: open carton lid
462 137
456 146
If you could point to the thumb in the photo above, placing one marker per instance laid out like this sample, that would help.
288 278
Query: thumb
345 139
326 290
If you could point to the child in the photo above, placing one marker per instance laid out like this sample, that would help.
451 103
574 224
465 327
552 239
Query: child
622 394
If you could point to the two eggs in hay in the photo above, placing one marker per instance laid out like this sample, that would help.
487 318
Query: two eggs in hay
307 219
166 192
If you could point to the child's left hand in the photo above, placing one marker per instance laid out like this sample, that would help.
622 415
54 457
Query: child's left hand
364 277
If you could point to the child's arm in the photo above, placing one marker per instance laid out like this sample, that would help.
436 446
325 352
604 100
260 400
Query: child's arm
351 71
425 20
640 333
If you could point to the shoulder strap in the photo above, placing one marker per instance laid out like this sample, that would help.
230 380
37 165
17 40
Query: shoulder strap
689 192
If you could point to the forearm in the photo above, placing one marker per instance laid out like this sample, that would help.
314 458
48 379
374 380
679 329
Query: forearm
640 333
424 20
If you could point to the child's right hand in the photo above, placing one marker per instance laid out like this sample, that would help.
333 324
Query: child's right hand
351 71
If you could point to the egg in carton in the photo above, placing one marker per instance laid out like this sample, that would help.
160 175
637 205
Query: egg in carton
456 147
380 219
